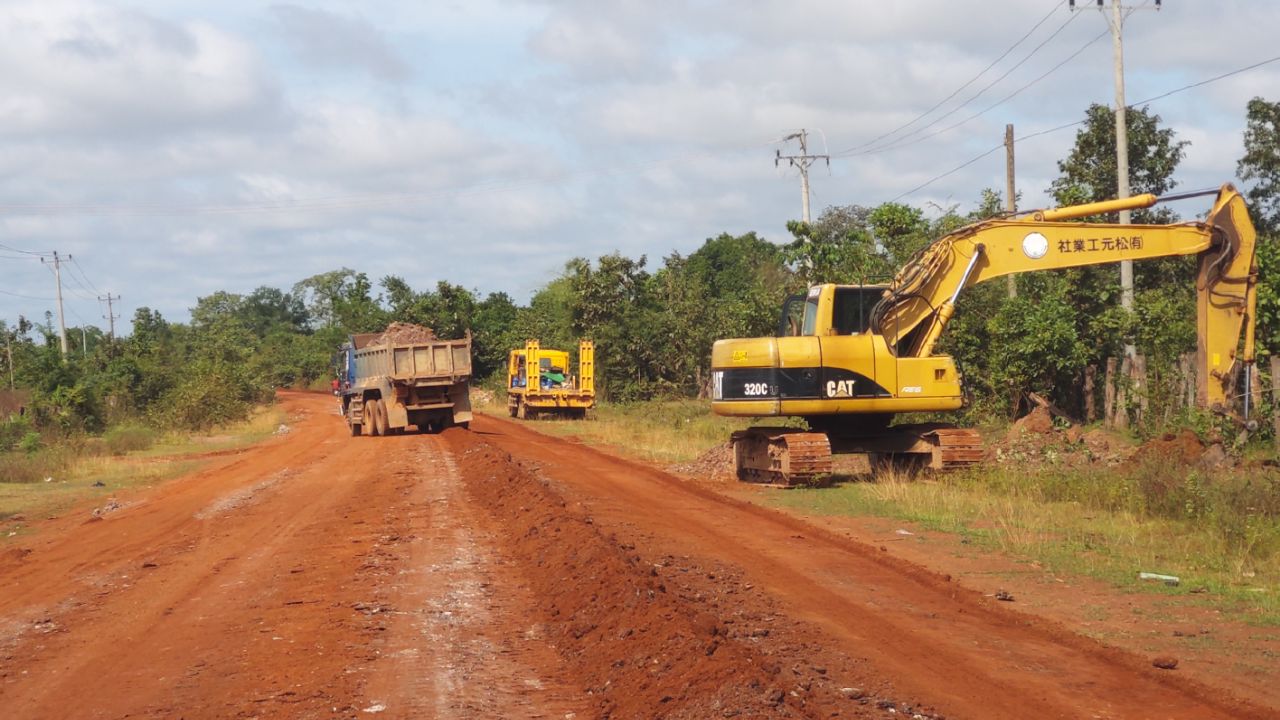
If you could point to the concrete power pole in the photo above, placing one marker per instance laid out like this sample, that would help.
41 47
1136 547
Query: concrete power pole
801 161
110 317
1116 21
57 276
1010 194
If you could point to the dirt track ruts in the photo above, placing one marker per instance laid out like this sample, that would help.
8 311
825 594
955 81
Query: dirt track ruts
502 573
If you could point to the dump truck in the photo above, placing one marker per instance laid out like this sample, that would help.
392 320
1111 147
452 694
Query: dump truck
849 358
538 382
405 376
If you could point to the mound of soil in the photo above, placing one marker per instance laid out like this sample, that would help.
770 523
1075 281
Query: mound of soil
1038 422
1184 448
656 637
398 333
714 464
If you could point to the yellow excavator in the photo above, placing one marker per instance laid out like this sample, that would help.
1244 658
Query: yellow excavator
848 358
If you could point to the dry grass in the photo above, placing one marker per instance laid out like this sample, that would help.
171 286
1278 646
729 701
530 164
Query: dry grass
86 472
1015 516
661 431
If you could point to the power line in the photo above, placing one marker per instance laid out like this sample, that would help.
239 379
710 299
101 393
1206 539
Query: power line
906 140
19 295
1064 126
955 169
1206 82
25 252
1011 95
971 80
80 269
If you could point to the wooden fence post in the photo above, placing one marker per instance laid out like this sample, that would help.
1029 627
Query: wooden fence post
1090 407
1121 419
1140 387
1109 393
1275 397
1187 369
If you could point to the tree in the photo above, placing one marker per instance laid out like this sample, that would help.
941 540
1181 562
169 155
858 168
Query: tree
1088 174
1261 163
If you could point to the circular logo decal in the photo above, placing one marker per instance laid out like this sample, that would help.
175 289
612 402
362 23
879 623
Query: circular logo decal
1035 245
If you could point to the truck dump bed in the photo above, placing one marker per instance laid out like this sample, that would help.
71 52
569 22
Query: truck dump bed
421 363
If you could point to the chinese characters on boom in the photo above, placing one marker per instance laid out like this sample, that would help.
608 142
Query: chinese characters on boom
1106 244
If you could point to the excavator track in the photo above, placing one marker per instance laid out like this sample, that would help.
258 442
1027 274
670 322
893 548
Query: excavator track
955 448
781 457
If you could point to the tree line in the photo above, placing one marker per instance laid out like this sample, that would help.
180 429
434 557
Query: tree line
654 322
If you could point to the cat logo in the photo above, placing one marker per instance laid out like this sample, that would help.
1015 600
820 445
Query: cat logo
840 388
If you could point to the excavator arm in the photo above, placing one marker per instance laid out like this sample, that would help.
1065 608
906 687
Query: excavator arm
921 299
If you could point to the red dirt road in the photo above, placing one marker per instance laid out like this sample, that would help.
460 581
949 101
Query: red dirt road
502 573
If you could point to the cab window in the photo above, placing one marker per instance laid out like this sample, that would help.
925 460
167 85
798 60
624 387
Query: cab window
852 312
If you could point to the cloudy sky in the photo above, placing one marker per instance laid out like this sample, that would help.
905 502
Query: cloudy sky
177 148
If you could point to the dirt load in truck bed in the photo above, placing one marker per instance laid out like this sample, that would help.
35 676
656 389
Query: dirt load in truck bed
399 333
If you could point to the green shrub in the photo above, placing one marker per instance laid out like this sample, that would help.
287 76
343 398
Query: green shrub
127 438
30 442
13 430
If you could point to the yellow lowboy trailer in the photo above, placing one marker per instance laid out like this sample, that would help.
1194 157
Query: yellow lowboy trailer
539 383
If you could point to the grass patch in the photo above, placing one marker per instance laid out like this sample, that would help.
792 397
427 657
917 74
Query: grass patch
124 439
1093 522
55 478
662 431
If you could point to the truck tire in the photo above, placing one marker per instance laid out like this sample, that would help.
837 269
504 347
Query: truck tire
383 421
375 422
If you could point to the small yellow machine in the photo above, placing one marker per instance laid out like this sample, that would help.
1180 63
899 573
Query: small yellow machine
539 383
848 358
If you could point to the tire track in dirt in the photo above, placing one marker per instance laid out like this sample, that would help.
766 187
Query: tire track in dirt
458 642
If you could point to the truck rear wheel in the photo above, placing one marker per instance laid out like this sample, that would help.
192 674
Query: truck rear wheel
375 417
383 420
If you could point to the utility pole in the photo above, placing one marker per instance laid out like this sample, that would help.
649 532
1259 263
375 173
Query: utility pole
110 317
57 276
84 341
801 161
8 347
1010 196
1116 21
